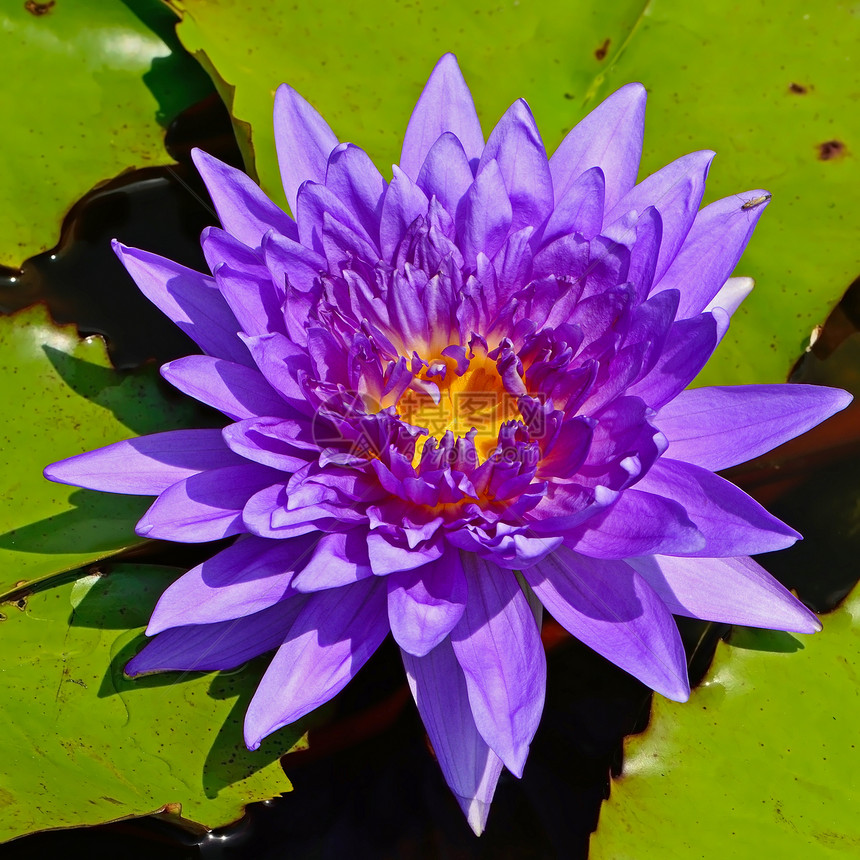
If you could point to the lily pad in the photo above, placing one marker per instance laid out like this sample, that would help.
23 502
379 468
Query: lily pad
87 87
763 760
63 398
563 59
83 744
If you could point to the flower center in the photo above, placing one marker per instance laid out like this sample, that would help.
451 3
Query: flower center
445 396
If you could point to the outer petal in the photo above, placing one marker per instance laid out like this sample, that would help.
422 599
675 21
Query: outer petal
610 138
205 507
712 249
145 466
731 590
637 524
247 577
722 426
243 209
444 105
676 192
387 557
731 295
484 215
404 202
516 146
237 391
689 344
190 299
470 767
610 608
303 140
254 299
446 173
580 210
331 639
291 262
356 181
733 524
339 559
425 604
283 444
214 647
497 643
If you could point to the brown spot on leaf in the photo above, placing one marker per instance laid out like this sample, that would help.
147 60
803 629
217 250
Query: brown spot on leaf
38 9
603 50
798 89
831 149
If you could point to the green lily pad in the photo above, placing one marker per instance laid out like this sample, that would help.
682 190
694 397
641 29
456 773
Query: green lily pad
766 86
83 744
87 87
763 760
63 398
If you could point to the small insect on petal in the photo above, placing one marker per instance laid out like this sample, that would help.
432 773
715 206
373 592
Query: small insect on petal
756 201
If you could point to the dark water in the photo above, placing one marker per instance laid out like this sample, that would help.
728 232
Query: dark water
369 787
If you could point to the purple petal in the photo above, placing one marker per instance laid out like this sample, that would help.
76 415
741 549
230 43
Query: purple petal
445 105
610 608
247 577
339 559
237 391
145 466
610 138
676 192
354 178
733 524
689 344
497 643
404 202
292 263
283 444
243 209
515 145
245 283
637 524
281 361
386 557
215 647
646 251
731 295
303 140
260 510
722 426
580 210
317 207
332 638
712 249
425 604
484 215
729 590
470 767
190 299
446 174
205 507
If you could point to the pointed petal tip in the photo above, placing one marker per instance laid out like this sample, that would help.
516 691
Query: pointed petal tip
476 812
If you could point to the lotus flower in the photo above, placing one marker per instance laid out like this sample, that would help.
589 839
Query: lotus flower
457 397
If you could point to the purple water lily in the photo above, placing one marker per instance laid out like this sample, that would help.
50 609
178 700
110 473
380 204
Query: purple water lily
454 398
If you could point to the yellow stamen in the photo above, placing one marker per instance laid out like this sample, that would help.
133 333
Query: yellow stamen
475 399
